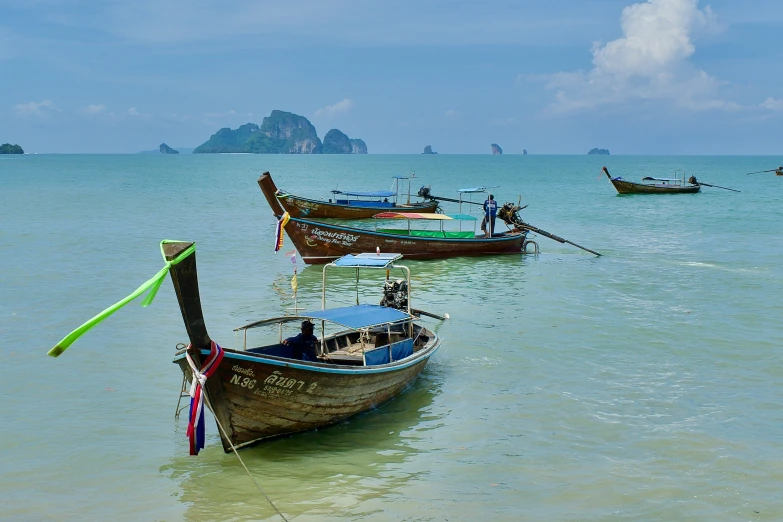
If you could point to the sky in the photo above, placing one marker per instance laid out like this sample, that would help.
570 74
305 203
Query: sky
546 76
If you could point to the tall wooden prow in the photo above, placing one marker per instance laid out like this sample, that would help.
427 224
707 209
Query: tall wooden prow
185 279
269 189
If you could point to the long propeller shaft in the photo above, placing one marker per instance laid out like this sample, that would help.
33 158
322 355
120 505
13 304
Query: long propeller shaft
718 186
556 238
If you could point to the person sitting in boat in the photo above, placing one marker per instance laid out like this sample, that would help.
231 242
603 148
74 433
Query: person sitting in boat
490 212
304 344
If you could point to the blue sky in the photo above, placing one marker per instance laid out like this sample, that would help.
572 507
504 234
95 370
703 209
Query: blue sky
552 77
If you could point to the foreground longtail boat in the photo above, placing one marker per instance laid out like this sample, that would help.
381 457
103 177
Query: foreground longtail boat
365 355
658 186
343 207
320 243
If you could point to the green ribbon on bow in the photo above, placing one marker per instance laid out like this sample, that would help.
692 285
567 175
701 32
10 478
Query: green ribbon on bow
152 284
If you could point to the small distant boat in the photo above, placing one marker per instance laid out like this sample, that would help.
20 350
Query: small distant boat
346 204
655 185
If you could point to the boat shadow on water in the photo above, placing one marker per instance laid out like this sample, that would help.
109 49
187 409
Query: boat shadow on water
328 471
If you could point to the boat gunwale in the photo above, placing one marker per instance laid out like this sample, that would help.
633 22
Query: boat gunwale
423 204
322 367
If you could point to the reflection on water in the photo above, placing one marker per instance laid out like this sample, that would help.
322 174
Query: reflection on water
329 471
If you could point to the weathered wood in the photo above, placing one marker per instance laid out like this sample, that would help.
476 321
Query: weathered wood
630 187
257 397
185 279
297 206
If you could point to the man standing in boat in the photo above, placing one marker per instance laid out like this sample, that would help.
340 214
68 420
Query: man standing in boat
490 212
304 344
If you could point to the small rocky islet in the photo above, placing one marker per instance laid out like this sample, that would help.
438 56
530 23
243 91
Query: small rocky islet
7 148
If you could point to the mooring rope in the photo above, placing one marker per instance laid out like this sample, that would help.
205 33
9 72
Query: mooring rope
197 374
247 470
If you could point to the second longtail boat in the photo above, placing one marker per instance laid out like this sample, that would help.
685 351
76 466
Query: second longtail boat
346 204
319 242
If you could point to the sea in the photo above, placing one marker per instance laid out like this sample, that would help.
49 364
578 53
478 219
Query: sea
644 384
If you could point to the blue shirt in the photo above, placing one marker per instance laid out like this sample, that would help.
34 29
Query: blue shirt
303 347
491 207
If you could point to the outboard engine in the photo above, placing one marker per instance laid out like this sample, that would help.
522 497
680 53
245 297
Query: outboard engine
424 192
395 294
509 213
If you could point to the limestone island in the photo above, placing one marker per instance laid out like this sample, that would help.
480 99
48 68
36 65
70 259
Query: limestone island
524 152
165 149
496 149
280 133
336 142
598 152
7 148
428 150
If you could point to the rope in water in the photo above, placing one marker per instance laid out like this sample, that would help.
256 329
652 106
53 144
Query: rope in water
233 448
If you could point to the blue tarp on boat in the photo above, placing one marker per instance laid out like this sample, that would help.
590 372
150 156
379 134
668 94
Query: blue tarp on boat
366 260
375 194
389 353
361 316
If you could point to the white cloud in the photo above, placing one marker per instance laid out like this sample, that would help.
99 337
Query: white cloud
451 113
344 105
134 113
773 104
37 109
650 62
95 109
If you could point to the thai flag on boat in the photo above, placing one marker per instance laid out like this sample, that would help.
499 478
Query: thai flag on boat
196 419
279 231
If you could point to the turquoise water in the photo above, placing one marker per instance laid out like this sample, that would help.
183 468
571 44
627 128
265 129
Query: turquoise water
644 384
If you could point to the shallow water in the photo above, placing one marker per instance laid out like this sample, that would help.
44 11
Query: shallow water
643 384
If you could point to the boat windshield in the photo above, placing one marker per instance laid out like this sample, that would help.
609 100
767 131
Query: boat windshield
427 225
372 194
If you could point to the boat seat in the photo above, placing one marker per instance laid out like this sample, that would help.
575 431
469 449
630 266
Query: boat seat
276 350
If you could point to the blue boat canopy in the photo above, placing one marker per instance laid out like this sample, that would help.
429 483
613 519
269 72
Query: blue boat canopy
361 316
463 217
367 260
375 194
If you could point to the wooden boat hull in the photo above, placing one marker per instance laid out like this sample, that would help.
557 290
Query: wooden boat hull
297 206
256 397
320 243
779 172
629 187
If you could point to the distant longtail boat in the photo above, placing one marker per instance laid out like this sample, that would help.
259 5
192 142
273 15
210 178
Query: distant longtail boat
657 185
